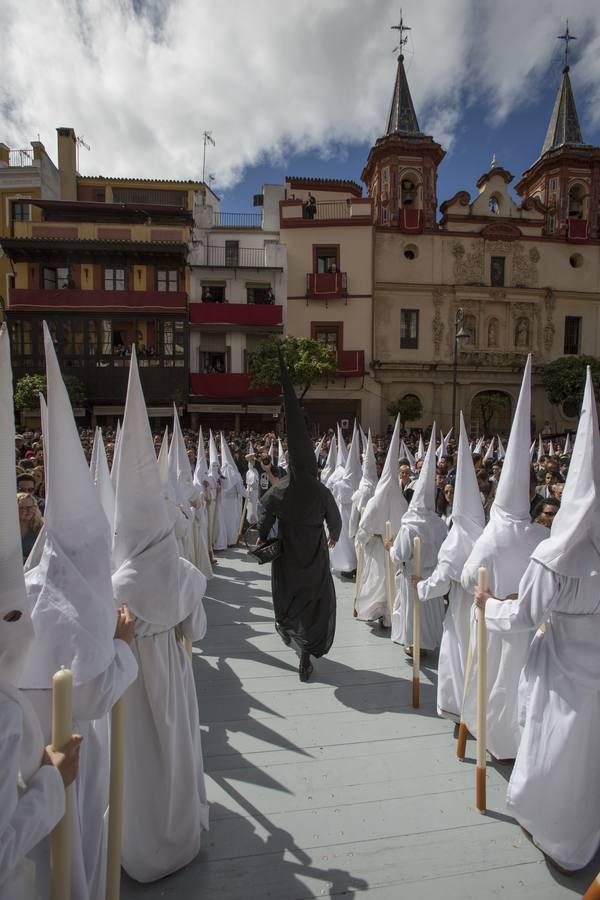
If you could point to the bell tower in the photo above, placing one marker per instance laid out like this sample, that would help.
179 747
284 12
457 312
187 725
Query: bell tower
566 176
401 170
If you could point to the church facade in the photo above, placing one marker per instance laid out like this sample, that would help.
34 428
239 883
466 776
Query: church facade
446 303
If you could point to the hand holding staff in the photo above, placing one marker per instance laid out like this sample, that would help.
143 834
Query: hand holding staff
416 576
60 839
481 698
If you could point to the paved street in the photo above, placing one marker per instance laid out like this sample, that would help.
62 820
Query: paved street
338 787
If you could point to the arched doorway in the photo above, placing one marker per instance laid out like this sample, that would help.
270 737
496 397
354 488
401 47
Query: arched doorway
491 413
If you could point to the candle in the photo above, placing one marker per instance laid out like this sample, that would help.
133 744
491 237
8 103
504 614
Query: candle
389 571
481 697
416 624
115 809
60 839
417 556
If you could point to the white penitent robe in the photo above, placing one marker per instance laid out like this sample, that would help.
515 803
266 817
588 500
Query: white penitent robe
232 498
372 598
200 533
164 802
556 779
92 702
343 555
32 797
217 531
252 491
432 610
455 640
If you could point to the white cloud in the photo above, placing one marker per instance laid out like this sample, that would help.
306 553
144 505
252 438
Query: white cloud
142 79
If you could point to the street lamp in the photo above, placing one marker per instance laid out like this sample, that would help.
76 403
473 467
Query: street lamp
459 335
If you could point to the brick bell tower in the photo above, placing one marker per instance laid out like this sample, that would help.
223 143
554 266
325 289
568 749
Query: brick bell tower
401 170
566 177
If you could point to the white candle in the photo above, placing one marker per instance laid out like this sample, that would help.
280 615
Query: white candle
115 809
389 570
417 557
416 624
481 697
60 839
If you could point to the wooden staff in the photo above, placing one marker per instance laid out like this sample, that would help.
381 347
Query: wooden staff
244 508
481 697
416 570
463 731
593 892
389 570
60 839
359 565
115 809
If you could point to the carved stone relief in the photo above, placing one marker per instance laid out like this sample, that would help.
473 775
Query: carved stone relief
437 326
549 329
525 271
468 264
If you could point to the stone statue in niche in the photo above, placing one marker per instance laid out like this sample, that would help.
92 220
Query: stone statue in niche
492 340
470 326
522 333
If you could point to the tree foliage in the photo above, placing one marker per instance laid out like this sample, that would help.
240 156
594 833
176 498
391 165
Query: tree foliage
307 361
409 408
29 387
488 405
564 378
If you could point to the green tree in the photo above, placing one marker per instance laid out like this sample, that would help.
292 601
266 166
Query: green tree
307 361
492 408
29 387
409 408
564 378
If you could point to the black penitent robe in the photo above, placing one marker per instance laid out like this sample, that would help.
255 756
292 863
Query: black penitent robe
301 581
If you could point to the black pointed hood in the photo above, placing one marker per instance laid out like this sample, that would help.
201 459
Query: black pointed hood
301 452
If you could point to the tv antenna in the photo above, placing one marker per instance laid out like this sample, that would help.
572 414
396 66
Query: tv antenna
79 141
208 139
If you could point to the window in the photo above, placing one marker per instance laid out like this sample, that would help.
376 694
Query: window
327 334
326 259
470 326
55 278
173 342
21 211
72 337
551 224
232 253
259 293
92 338
409 192
212 354
114 279
385 177
384 215
409 329
213 293
20 337
494 205
572 335
167 280
497 264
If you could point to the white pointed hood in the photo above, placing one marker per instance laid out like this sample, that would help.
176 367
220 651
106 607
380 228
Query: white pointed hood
420 454
550 448
479 446
510 537
567 447
281 458
73 611
145 554
115 459
368 481
501 450
468 517
272 453
318 449
421 518
388 503
94 455
364 440
15 637
573 548
201 470
229 469
179 465
489 453
330 462
102 480
342 450
540 451
531 452
407 455
345 486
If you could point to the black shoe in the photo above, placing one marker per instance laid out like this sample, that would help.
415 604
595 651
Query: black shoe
283 635
305 669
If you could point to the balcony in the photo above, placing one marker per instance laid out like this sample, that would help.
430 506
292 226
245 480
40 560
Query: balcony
235 258
76 300
353 211
326 285
237 220
228 385
577 229
350 363
410 219
259 314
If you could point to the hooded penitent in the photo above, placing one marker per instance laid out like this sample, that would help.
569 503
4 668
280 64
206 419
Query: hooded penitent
330 462
366 486
101 476
421 516
303 590
340 463
201 470
115 459
232 493
16 636
407 455
281 460
420 454
73 611
145 555
573 548
388 503
468 517
343 555
489 453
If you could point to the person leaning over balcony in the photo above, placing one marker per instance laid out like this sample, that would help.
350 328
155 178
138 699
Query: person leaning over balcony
310 207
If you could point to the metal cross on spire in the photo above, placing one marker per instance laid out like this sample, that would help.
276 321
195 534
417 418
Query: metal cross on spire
401 28
567 37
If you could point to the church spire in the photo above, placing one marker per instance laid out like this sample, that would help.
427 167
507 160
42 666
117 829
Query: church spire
402 118
564 122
